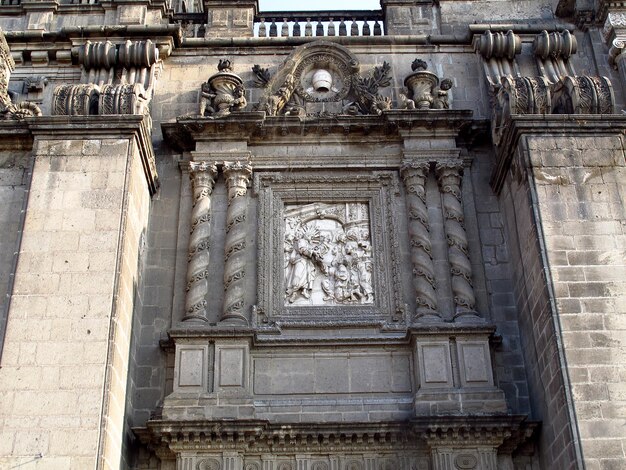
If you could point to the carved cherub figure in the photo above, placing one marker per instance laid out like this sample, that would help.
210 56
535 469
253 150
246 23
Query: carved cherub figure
441 100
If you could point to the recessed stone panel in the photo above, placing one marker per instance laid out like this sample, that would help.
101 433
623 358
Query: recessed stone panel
232 367
475 363
434 365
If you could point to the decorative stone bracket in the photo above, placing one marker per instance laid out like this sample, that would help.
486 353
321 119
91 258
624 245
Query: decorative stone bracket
557 89
9 110
116 79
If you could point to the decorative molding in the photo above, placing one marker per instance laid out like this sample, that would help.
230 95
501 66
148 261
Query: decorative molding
8 110
374 190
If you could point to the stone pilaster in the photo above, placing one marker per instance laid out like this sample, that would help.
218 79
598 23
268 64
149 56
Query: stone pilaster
202 175
237 177
414 175
449 176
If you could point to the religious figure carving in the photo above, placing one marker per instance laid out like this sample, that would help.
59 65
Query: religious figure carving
328 260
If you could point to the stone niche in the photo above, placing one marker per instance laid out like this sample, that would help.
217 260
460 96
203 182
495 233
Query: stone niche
338 261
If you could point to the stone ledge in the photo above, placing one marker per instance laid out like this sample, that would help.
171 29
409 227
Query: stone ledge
561 125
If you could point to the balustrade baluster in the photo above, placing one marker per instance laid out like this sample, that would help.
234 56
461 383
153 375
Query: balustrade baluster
308 28
342 28
273 29
262 29
319 30
331 28
354 28
296 29
366 28
284 30
377 29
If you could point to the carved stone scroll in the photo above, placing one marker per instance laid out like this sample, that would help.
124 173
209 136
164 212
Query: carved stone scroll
584 95
202 176
498 51
8 110
414 175
237 177
519 95
449 176
553 51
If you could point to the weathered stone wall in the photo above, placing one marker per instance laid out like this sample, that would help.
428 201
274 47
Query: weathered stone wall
536 322
86 205
581 191
14 179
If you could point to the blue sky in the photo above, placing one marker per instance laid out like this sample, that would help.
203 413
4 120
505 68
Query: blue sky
282 5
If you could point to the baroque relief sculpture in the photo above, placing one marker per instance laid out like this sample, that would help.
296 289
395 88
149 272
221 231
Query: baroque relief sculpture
8 110
322 72
328 254
222 93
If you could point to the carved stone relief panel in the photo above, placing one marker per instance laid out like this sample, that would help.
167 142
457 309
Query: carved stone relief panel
328 250
328 254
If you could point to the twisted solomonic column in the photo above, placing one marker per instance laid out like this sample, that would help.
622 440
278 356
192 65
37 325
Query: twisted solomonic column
449 177
237 177
202 176
414 175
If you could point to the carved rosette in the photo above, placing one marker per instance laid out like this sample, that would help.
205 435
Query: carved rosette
414 175
237 177
449 176
202 176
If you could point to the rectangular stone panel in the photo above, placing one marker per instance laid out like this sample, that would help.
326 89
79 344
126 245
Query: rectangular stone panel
475 363
191 364
331 373
232 366
435 369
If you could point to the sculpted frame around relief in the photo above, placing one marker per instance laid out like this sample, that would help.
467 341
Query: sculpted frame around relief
377 191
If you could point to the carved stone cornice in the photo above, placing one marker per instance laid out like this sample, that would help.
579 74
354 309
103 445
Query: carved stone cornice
183 133
507 431
102 127
517 126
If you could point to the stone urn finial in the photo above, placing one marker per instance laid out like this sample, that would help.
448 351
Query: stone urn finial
421 83
223 92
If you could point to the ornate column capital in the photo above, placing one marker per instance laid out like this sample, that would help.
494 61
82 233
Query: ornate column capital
237 176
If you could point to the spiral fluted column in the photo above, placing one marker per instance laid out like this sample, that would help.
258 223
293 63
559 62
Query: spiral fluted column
237 177
202 176
414 175
449 176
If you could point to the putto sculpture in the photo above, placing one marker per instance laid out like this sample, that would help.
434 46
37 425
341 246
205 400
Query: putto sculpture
424 90
222 93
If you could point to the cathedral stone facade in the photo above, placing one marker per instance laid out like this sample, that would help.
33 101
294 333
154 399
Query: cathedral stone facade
332 240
